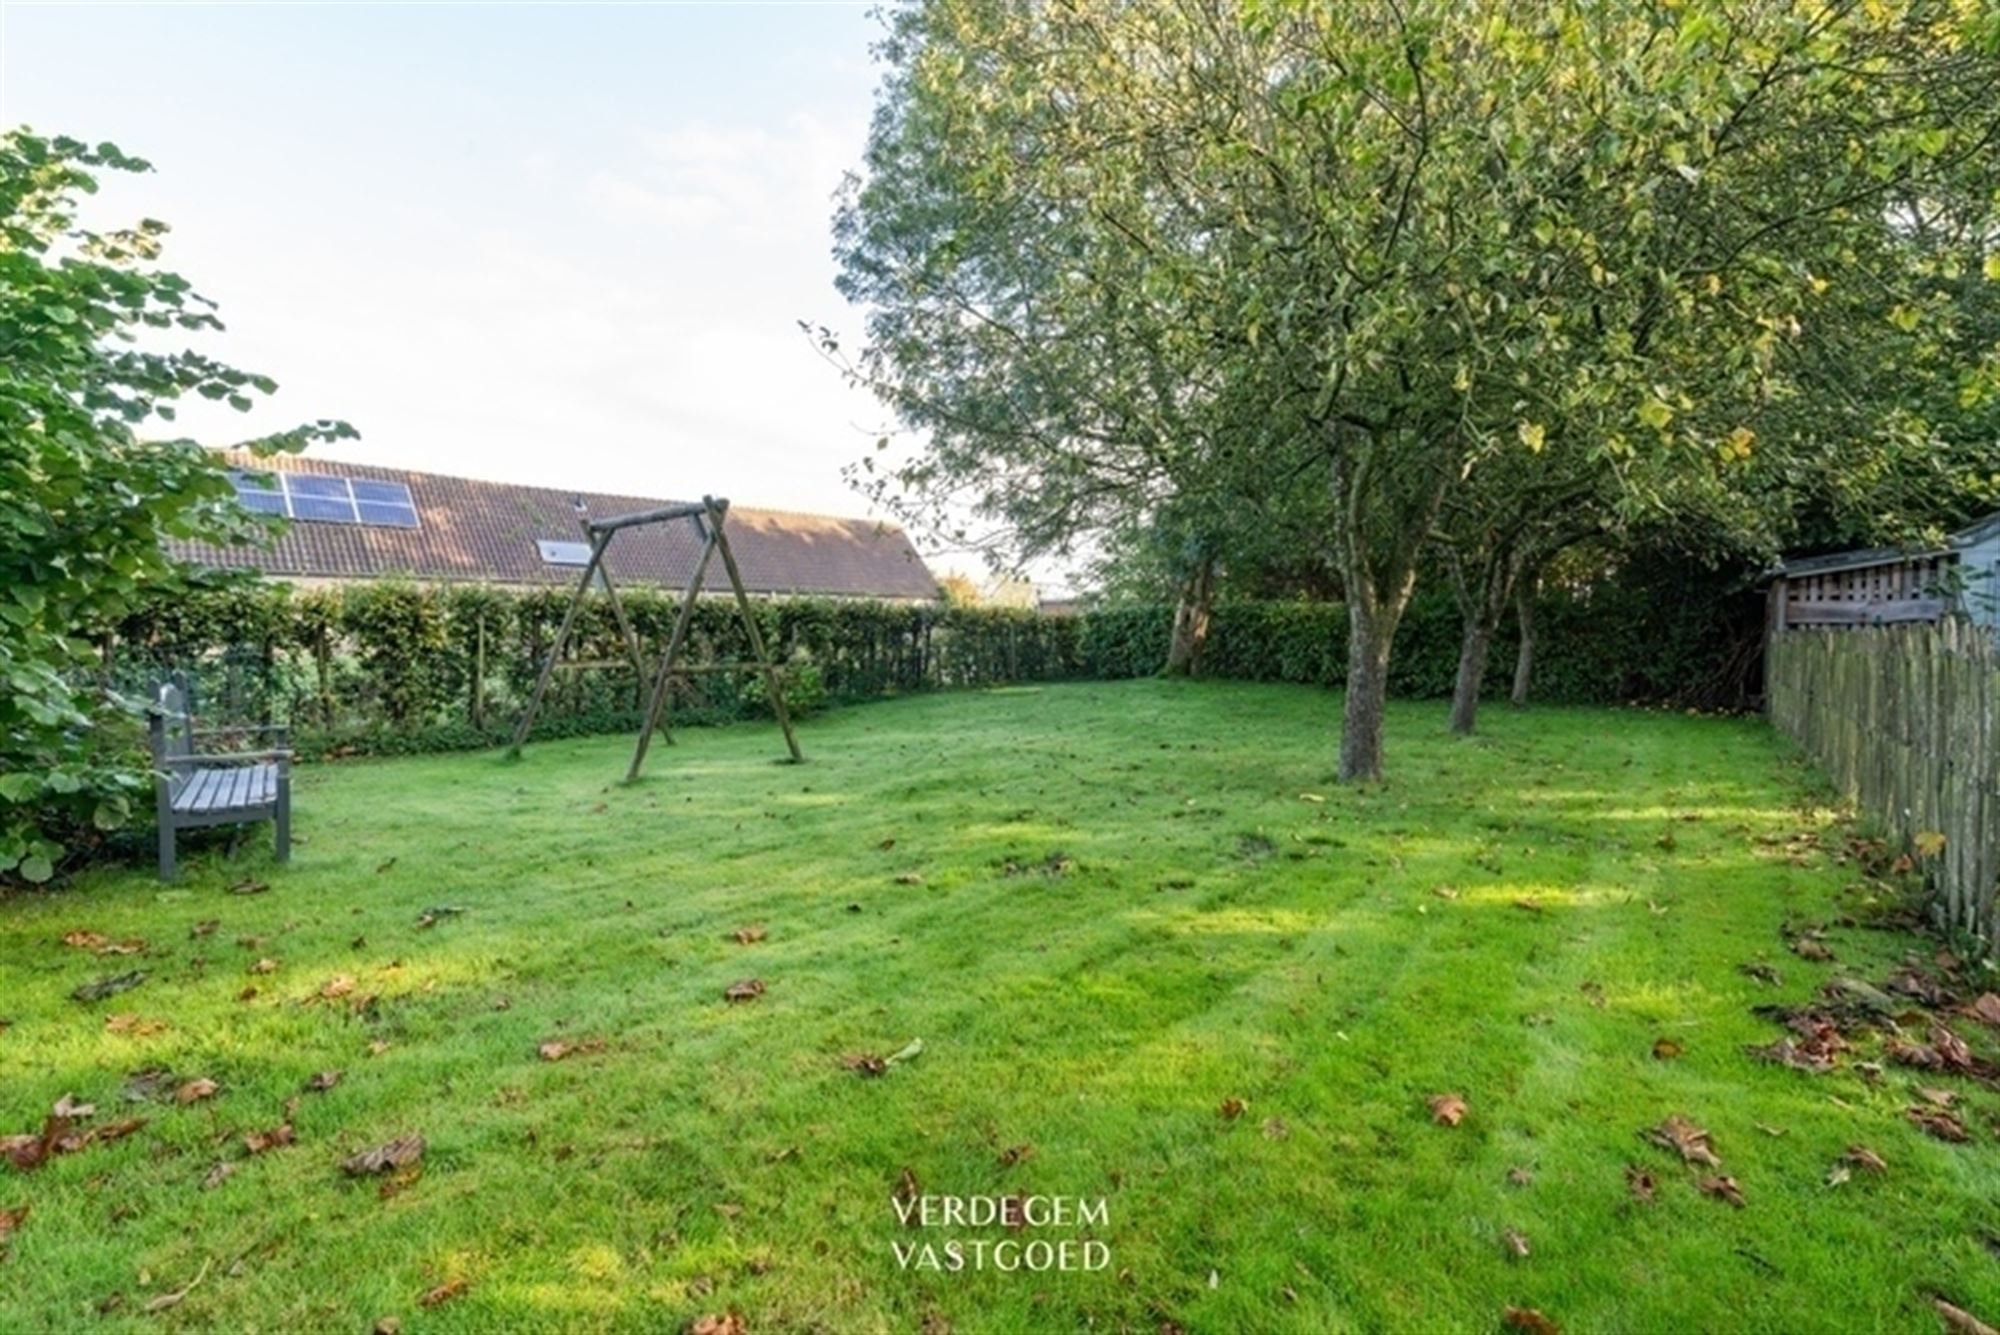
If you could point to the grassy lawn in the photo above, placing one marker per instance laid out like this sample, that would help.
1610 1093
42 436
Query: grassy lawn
1107 911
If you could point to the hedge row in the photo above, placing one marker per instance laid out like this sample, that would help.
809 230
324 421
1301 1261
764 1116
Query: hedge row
395 667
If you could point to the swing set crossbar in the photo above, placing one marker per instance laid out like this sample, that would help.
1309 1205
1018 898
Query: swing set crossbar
709 516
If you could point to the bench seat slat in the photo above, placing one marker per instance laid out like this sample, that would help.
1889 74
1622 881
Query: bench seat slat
231 788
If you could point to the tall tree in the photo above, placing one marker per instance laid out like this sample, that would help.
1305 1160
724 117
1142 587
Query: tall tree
86 501
1112 251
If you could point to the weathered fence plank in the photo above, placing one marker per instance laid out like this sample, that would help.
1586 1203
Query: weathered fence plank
1905 719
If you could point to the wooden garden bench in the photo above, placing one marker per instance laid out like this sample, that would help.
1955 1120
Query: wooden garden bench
193 787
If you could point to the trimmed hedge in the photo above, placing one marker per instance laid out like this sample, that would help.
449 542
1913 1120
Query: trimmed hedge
395 668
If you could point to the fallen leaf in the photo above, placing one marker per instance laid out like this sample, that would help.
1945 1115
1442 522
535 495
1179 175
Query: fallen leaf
265 965
1763 973
393 1154
85 940
909 878
1864 1158
206 927
907 1191
377 1047
1943 1098
1232 1108
910 1051
1959 1321
337 987
194 1091
446 1291
1520 1177
1445 891
1690 1141
218 1175
1723 1188
388 1325
1640 1183
1530 1320
864 1064
748 936
1517 1243
1928 843
1014 1154
324 1081
174 1299
1986 1009
1447 1109
747 989
109 987
67 1106
10 1223
718 1323
558 1048
257 1142
249 888
1666 1049
1811 948
1838 1175
1939 1123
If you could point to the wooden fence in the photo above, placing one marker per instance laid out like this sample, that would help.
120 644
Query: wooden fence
1906 722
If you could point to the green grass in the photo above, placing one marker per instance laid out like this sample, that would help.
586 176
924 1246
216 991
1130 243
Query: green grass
1129 911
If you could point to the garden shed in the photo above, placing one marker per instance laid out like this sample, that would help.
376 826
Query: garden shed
1885 585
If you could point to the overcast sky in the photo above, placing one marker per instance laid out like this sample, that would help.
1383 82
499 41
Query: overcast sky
567 245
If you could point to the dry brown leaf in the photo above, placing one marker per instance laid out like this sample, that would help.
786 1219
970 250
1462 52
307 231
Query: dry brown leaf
1447 1109
324 1081
388 1325
746 989
397 1153
257 1142
1232 1108
1939 1123
1666 1049
1520 1176
558 1048
206 927
1677 1133
1723 1188
908 1192
1640 1183
67 1106
1811 948
1517 1243
1014 1154
909 878
1943 1098
85 940
337 987
1864 1158
865 1064
719 1323
1530 1320
749 936
10 1223
218 1175
443 1293
1986 1008
1959 1321
265 965
1928 843
194 1091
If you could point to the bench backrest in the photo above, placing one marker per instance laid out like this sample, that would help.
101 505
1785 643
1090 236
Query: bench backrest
172 729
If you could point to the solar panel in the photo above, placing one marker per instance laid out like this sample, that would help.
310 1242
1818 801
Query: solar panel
326 499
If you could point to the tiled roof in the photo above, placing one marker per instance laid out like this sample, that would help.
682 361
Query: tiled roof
486 531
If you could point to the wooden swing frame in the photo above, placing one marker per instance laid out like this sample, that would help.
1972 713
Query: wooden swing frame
710 516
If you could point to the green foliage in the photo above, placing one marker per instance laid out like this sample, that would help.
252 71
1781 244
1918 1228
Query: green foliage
86 504
397 669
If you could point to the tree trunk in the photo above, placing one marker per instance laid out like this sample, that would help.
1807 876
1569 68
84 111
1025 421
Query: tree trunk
1191 617
1524 659
1370 634
1472 652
